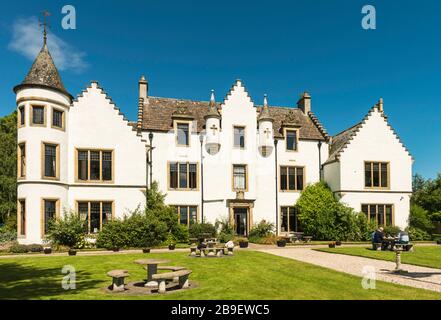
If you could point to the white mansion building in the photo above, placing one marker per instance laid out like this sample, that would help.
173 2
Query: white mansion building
213 160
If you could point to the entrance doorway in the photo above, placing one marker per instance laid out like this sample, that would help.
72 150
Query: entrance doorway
241 221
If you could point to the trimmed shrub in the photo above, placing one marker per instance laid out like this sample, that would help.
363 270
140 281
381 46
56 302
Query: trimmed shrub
144 231
113 235
35 247
197 230
269 239
19 248
67 231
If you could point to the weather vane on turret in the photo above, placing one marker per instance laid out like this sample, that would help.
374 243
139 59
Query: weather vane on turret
45 24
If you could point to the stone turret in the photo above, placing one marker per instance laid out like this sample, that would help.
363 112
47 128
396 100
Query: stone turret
212 126
266 132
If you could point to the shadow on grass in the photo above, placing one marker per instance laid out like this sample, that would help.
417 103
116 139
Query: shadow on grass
28 282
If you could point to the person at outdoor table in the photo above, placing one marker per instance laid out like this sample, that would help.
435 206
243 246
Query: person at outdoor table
378 235
403 237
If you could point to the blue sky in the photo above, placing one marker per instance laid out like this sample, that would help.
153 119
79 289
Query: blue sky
186 48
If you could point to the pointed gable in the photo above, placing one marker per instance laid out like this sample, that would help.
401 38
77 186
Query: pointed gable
342 141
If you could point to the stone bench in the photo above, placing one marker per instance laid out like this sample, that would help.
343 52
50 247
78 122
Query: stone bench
182 276
377 246
172 268
118 277
193 251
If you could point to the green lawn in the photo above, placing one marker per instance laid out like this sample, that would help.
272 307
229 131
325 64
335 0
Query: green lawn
247 275
427 256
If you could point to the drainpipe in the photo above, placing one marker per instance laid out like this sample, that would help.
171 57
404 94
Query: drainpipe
201 139
320 159
146 175
277 186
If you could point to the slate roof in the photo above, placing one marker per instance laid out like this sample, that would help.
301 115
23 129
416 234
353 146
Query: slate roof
339 141
44 73
158 115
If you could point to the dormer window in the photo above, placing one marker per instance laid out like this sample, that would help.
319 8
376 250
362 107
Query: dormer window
183 133
292 138
239 137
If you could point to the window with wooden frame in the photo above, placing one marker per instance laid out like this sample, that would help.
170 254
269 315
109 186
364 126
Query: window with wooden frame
21 218
94 165
289 220
381 214
38 116
50 161
292 178
57 119
239 137
95 214
21 116
187 215
183 176
182 133
50 212
376 174
21 158
240 177
292 139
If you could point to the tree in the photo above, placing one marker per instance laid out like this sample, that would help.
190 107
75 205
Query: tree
419 218
8 168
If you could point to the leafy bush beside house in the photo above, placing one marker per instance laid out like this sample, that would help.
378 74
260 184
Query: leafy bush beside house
224 229
70 230
263 233
325 218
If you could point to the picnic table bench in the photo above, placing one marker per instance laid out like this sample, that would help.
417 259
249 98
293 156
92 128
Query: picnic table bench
118 277
172 268
181 275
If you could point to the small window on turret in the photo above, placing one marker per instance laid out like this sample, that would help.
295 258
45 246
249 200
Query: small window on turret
38 116
57 118
21 115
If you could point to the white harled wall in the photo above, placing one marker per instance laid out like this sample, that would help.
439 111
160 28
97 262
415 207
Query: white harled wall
375 141
94 122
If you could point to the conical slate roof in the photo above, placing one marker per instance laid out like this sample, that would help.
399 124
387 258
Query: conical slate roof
44 73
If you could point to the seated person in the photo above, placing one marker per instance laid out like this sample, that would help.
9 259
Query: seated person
378 235
403 237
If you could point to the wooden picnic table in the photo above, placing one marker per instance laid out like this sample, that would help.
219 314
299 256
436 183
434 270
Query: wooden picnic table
152 268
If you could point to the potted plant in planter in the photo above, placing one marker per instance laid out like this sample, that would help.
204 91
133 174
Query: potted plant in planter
331 245
171 242
338 243
67 231
281 242
243 243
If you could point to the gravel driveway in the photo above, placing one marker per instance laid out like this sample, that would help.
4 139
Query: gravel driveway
418 277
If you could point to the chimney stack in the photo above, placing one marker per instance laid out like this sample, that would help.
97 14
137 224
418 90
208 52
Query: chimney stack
143 88
304 103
